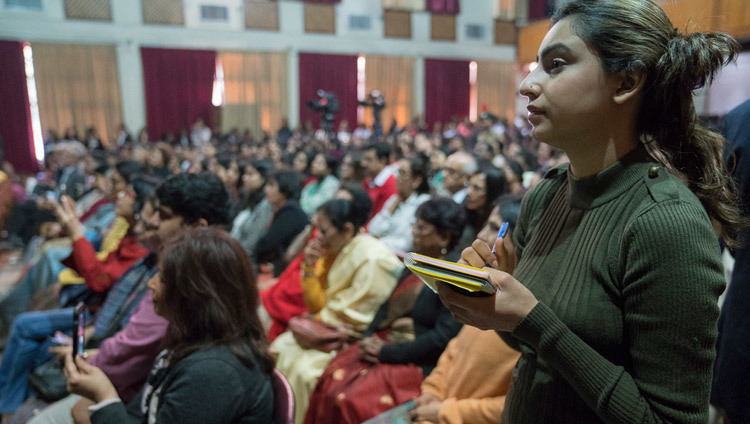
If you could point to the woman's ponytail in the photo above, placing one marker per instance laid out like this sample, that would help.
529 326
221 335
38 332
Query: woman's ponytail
636 35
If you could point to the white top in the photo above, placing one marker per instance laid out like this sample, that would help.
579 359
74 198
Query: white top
394 230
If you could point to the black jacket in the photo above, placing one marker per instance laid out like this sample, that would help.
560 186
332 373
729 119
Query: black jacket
210 386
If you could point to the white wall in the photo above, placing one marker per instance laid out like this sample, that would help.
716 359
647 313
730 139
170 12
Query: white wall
127 33
730 88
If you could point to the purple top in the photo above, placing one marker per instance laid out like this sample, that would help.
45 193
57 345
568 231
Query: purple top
128 357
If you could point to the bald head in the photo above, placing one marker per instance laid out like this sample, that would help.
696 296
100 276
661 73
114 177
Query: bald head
458 168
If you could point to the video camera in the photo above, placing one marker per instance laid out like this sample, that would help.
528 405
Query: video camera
327 104
376 101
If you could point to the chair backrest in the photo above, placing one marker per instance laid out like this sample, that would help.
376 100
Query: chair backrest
283 408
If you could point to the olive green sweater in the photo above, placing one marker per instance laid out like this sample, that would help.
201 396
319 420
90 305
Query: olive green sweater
627 272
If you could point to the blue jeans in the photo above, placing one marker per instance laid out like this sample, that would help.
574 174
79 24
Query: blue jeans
27 348
41 275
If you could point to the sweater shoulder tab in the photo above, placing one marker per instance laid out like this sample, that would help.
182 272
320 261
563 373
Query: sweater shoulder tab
661 184
558 171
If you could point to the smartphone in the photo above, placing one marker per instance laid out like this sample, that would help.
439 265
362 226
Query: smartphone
79 329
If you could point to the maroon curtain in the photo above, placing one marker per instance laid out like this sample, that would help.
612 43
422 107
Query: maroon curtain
330 72
446 90
537 9
178 85
449 7
15 116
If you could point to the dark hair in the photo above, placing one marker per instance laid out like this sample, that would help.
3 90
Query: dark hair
265 168
129 168
419 164
101 169
510 208
495 185
357 165
144 187
196 196
516 168
637 36
290 183
446 215
382 150
210 298
340 211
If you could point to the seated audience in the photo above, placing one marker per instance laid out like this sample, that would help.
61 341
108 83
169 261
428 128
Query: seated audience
181 201
472 377
483 190
380 181
284 300
456 171
392 225
323 187
402 343
98 271
351 169
342 286
215 369
252 221
282 192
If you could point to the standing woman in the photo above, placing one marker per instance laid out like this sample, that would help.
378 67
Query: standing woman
216 367
613 302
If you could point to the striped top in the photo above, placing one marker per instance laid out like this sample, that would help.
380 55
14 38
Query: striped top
627 271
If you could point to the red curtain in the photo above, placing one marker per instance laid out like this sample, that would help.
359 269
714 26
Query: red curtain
15 116
329 72
446 90
178 85
448 7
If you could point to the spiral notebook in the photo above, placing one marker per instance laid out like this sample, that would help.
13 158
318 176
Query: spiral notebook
433 271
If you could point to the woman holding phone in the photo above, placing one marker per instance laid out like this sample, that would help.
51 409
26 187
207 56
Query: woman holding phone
215 368
613 301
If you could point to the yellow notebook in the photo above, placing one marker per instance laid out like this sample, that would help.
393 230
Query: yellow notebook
469 280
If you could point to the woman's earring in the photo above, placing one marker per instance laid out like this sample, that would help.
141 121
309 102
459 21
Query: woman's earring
444 251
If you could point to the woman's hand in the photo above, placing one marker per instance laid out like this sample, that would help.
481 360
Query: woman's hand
61 351
88 381
313 251
369 349
502 311
80 411
65 211
426 411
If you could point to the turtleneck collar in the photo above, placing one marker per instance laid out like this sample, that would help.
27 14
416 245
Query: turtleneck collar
608 184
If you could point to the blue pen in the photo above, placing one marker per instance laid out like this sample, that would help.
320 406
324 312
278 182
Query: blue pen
500 234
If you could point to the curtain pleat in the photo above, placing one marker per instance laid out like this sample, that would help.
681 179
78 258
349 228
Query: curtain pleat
330 72
15 117
496 88
256 89
78 86
178 85
446 90
394 78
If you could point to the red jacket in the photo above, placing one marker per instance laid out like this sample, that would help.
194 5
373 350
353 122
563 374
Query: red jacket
379 193
100 275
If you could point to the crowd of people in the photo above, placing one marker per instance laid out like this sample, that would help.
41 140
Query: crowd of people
208 262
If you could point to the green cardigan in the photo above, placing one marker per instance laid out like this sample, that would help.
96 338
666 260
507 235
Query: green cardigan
627 271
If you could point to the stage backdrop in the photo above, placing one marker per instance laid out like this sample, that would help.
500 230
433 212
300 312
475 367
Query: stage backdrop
446 90
178 85
15 117
330 72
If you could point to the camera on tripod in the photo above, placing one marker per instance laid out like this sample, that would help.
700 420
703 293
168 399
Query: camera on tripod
374 100
327 104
